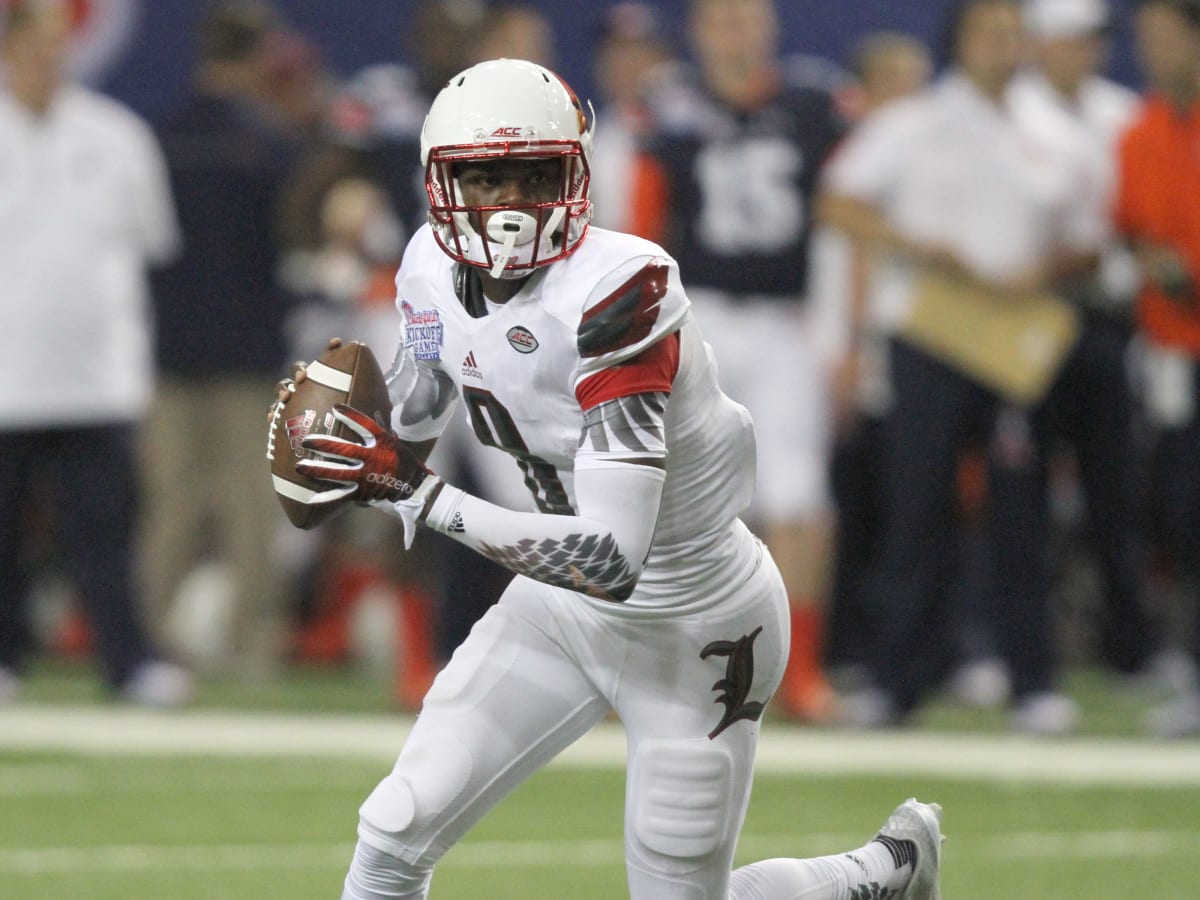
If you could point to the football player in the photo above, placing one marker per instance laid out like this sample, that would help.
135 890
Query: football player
637 589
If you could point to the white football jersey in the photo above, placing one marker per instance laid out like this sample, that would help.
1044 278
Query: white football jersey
516 368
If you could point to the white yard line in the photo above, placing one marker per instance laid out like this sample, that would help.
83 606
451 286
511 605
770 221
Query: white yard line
34 861
994 757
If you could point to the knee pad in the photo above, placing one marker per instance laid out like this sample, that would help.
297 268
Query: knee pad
683 797
390 808
419 796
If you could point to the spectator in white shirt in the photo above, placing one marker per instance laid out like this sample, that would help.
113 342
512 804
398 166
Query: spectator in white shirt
953 181
84 208
1070 41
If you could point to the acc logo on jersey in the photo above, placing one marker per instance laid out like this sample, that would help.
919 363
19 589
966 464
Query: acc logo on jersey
522 339
423 331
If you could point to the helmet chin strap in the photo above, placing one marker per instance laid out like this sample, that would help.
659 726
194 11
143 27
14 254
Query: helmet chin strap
510 229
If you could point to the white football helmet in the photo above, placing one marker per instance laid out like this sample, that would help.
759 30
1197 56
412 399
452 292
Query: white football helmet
507 108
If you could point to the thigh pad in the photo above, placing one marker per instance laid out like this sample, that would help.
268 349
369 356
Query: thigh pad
683 796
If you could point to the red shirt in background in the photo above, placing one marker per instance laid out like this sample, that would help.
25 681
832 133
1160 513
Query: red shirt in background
1158 201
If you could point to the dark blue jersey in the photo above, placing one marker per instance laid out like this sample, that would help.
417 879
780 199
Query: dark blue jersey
741 185
218 306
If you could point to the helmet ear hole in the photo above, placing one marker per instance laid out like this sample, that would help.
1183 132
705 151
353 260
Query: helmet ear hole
507 109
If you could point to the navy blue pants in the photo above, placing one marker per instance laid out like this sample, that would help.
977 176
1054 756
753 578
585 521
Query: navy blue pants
87 475
1175 496
1090 409
852 631
936 413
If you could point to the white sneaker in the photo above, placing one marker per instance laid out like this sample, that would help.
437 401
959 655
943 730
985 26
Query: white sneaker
867 708
1176 718
10 686
159 684
981 684
1172 671
920 823
1046 714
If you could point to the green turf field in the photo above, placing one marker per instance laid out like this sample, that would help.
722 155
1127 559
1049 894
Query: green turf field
86 826
127 827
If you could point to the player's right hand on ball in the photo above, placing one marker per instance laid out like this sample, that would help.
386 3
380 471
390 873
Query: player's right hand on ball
376 467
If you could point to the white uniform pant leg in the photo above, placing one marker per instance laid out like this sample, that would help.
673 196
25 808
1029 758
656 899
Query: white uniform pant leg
768 362
687 793
509 700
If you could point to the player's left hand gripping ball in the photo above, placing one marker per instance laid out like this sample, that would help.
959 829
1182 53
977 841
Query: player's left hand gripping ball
377 467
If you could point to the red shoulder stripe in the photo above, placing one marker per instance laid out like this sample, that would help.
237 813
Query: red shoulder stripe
651 370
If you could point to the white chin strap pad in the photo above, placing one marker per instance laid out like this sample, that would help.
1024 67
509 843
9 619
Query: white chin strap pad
509 229
510 239
512 228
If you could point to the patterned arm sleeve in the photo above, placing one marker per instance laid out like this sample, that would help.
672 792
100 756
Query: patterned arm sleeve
619 477
600 552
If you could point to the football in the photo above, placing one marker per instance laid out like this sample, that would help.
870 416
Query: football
345 373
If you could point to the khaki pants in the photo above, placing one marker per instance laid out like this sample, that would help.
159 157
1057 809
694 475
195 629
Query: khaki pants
208 495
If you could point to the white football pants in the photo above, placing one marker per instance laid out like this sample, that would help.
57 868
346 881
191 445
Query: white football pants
539 670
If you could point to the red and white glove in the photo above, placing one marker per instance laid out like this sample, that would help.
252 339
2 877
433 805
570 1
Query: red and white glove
377 468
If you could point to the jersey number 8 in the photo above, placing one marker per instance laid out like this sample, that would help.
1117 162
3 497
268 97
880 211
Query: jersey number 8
494 427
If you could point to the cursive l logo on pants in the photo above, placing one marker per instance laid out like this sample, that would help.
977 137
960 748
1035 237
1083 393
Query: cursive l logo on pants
739 675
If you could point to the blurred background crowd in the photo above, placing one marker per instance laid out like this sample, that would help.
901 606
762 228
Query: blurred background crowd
946 256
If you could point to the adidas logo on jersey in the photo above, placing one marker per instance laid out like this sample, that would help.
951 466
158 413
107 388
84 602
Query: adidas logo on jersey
456 524
470 369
